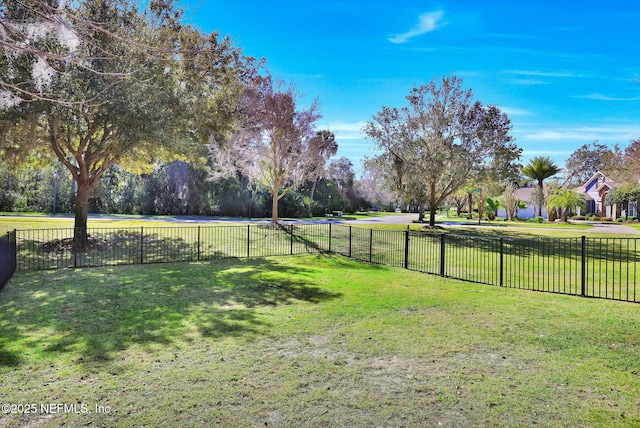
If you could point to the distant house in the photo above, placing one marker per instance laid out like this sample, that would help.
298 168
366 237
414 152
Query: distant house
529 211
595 190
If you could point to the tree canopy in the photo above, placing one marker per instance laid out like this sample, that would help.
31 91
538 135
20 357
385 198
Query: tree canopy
565 200
274 142
539 169
440 140
98 83
586 161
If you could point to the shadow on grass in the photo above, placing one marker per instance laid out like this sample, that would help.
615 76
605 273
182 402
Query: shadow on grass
97 312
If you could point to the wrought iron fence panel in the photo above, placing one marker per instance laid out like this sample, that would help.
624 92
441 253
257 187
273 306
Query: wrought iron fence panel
593 267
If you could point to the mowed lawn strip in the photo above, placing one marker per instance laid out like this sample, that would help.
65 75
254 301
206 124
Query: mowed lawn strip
308 341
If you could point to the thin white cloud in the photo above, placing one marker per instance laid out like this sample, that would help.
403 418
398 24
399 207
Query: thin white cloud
585 133
543 73
529 82
427 22
534 77
600 97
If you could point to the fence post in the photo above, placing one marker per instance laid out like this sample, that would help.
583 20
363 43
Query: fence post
198 242
442 249
248 239
14 249
291 231
349 241
406 249
583 274
501 262
141 244
329 237
75 249
370 245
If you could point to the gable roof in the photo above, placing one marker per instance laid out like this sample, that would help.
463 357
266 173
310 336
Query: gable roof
607 182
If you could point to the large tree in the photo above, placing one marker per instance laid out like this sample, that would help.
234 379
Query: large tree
324 146
274 143
440 140
539 169
623 164
104 82
586 161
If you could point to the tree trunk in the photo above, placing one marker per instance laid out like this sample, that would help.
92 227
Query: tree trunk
274 209
80 236
313 188
470 202
542 193
420 213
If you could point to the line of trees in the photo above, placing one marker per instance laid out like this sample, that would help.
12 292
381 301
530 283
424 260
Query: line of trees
182 188
115 93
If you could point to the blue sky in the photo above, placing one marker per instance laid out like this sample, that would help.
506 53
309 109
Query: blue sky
566 72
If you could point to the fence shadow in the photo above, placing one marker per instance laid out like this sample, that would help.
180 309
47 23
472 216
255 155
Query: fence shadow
99 312
480 255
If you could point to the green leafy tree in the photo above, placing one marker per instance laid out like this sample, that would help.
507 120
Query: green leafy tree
145 87
491 208
439 141
565 200
625 194
586 161
539 169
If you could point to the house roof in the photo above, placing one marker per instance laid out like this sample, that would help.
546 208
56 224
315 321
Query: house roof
524 194
607 182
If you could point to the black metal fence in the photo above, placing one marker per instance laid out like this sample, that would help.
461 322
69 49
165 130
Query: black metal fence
7 257
595 267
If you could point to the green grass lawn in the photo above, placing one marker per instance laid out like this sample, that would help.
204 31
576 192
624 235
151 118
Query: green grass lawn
309 341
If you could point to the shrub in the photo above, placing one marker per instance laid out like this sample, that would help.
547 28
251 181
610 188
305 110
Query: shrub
578 217
606 219
620 219
537 219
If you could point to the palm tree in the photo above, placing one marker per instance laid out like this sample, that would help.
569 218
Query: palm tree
565 200
539 169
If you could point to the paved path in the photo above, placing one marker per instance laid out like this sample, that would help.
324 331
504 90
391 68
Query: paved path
612 228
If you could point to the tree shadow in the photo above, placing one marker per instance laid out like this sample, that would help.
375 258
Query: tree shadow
98 312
